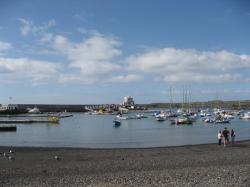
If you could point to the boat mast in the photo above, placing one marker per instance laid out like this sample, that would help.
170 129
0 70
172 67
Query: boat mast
171 98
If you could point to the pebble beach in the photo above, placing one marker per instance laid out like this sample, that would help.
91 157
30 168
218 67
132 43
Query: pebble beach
193 165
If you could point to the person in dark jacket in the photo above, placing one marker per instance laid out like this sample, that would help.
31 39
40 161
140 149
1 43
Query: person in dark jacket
225 134
233 136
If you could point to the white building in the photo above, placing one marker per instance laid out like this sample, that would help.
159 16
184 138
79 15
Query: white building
8 107
128 102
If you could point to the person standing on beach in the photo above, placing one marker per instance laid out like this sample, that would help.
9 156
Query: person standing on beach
219 137
225 134
233 136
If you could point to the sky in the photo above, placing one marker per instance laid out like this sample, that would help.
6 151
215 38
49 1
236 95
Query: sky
98 51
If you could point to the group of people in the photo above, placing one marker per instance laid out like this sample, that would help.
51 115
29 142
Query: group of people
224 135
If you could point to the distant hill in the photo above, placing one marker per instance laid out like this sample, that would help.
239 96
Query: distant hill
244 104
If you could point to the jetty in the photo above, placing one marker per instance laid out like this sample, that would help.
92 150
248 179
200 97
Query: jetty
7 128
37 115
49 120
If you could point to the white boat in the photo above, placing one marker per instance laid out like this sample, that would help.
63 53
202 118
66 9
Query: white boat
228 116
246 116
209 120
121 117
160 118
34 110
204 113
221 119
218 111
183 120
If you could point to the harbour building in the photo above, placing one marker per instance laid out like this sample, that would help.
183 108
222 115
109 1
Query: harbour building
128 102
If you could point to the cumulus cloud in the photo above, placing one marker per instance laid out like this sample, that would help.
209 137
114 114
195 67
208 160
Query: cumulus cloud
5 46
190 65
97 58
29 28
93 57
90 32
34 70
125 78
46 38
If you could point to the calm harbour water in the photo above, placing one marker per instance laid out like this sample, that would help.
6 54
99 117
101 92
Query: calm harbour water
97 131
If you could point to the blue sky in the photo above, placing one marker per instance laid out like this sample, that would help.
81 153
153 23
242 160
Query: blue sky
77 52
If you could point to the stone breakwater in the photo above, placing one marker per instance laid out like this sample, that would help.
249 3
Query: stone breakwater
199 165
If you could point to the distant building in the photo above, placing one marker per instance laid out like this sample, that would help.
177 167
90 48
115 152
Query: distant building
10 107
128 102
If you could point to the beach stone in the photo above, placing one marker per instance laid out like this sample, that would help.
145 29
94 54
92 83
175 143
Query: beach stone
57 158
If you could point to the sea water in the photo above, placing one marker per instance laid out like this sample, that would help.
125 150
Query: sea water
97 131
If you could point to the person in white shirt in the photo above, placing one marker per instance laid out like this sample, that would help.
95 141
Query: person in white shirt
219 137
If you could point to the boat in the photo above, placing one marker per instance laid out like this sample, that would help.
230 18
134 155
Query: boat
65 115
183 121
160 118
209 120
119 116
117 123
140 116
53 119
218 111
245 116
222 121
171 115
229 116
202 114
34 110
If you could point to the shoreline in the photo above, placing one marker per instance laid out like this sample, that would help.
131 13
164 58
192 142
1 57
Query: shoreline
129 148
189 165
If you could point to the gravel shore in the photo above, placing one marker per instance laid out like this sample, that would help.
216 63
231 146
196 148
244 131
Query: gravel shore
197 165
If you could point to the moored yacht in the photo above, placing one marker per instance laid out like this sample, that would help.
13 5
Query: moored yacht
246 116
34 110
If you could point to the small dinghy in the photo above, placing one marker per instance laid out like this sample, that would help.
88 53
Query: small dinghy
117 123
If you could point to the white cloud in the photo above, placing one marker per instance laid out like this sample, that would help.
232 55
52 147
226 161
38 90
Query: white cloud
82 17
190 65
225 91
46 38
77 79
5 46
34 70
90 32
29 28
93 57
125 78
